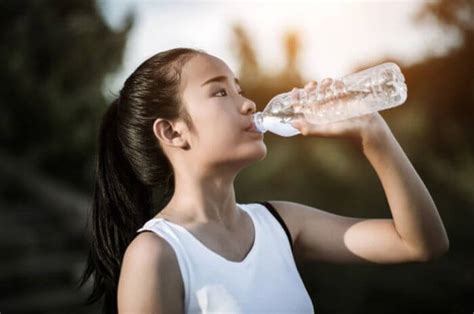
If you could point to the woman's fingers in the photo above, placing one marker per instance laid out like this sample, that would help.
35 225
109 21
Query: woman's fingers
295 96
310 86
339 88
312 91
326 82
325 87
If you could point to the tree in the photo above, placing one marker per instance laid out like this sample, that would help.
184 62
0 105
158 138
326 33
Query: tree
55 57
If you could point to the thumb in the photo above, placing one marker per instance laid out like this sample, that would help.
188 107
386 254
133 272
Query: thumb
301 125
295 123
298 123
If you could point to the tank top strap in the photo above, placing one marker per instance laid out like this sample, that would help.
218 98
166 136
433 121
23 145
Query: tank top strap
276 228
277 216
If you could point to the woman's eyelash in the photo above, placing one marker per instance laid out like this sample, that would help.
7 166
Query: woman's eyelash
223 90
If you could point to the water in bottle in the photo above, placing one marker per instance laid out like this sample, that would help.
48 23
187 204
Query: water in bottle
374 89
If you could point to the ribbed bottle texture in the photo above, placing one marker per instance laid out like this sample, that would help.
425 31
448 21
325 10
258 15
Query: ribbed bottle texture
374 89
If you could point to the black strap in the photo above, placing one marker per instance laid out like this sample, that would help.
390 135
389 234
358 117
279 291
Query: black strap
280 220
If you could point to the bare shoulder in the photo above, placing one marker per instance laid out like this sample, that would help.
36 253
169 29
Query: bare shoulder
293 214
148 248
150 277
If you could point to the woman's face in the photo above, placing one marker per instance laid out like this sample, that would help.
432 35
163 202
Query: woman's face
220 115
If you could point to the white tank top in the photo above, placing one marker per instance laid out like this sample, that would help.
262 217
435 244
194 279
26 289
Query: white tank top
266 281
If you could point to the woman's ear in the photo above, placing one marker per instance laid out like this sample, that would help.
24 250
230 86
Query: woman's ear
170 133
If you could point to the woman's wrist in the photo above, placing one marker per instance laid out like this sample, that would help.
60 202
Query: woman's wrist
376 136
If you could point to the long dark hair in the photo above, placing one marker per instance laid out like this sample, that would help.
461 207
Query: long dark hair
134 178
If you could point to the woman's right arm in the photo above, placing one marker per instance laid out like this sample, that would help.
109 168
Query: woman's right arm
150 278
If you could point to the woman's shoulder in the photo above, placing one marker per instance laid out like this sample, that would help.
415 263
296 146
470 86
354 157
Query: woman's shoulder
149 264
150 245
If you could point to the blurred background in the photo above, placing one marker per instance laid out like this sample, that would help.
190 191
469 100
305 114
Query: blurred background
64 61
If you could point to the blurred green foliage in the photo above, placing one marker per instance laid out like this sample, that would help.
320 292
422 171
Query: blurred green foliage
55 55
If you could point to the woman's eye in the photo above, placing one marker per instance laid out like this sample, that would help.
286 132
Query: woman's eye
221 91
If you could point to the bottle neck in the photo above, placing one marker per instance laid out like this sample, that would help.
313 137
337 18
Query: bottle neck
258 122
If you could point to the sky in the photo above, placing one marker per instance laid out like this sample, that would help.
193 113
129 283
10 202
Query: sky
336 35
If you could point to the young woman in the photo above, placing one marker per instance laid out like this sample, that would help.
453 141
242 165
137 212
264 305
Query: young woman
167 233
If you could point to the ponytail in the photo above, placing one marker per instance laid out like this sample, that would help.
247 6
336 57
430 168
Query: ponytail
132 168
121 204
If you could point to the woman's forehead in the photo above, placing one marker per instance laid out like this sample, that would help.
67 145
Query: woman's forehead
200 69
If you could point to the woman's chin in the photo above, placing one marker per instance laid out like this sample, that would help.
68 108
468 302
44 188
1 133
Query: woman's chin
263 152
259 152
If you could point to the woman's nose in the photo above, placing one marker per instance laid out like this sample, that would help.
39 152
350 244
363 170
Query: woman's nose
249 106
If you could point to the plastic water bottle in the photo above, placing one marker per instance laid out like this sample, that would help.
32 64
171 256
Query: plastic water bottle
374 89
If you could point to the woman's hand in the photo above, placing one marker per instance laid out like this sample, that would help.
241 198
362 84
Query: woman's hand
358 129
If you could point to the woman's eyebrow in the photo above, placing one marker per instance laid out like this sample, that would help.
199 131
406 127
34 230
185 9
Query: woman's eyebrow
220 78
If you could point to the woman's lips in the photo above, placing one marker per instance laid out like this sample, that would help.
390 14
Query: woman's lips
252 128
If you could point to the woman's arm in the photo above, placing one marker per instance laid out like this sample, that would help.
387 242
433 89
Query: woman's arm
414 213
416 232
